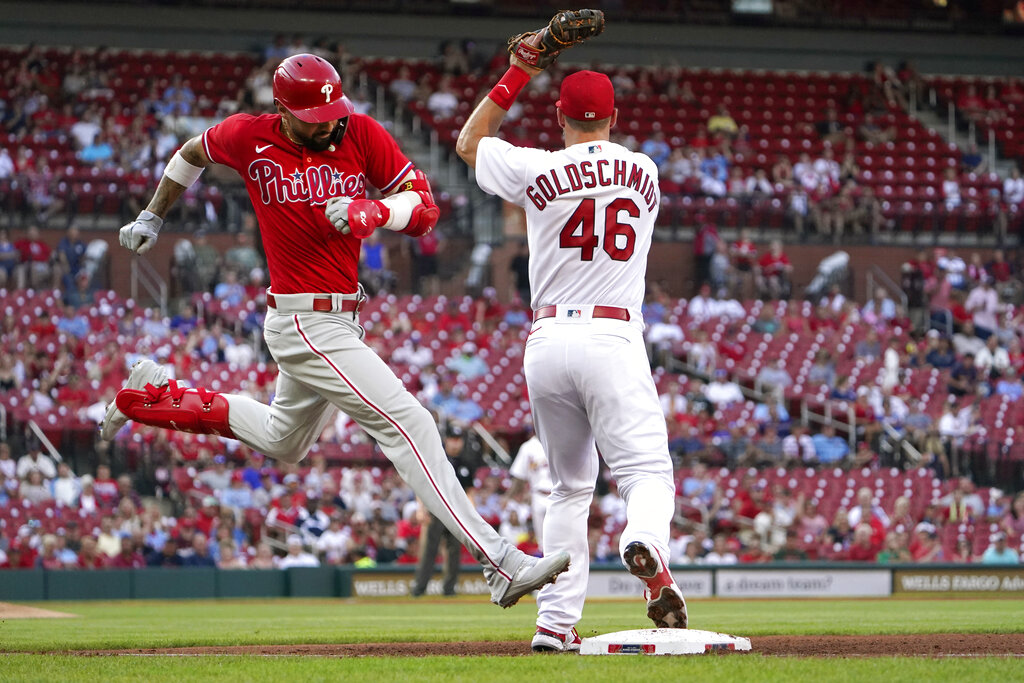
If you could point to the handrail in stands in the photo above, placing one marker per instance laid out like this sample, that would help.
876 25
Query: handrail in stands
50 448
144 274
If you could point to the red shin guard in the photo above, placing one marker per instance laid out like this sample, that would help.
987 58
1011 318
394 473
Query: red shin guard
172 406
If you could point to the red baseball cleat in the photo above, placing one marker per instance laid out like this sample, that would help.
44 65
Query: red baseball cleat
549 641
666 606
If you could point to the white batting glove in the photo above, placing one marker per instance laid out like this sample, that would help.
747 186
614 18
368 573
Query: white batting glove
336 210
140 234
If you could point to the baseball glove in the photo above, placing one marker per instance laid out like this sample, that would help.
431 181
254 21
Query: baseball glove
566 29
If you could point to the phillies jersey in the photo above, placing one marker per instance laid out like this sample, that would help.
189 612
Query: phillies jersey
590 212
289 185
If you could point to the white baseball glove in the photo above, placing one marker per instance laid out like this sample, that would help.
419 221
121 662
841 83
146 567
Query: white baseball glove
140 235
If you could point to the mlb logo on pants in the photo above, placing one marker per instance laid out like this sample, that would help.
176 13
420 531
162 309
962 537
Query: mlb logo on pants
574 313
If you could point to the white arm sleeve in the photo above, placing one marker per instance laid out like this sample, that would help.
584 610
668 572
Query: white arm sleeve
401 206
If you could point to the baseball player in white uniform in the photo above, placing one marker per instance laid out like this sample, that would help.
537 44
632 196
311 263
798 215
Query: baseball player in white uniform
590 213
531 468
306 168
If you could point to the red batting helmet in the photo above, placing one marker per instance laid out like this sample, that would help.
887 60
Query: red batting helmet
310 88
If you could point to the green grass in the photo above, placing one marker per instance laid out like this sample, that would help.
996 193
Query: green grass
146 624
548 669
104 625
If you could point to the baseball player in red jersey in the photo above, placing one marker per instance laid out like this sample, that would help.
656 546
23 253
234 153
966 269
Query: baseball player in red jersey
306 169
590 213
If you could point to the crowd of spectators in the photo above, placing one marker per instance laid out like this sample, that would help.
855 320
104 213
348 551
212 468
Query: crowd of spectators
212 501
761 523
366 516
72 107
961 330
824 190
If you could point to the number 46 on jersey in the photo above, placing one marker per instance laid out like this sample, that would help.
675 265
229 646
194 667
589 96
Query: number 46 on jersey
581 230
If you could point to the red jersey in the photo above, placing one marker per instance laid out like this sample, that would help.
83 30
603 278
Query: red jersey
744 254
773 265
289 185
33 251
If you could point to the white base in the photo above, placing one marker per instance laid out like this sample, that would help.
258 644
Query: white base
663 641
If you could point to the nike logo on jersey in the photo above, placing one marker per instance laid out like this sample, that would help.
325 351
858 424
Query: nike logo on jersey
260 148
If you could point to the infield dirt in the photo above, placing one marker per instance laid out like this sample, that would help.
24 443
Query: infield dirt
9 611
914 645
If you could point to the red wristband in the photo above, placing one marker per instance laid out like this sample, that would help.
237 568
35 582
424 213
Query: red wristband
509 87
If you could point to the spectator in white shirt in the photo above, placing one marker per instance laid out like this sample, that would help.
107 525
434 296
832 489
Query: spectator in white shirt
891 364
240 354
413 353
721 391
966 341
759 184
662 336
992 360
954 266
297 557
804 166
443 102
66 488
774 378
403 87
700 307
334 542
702 353
35 460
6 164
865 503
720 553
827 167
951 426
983 305
951 189
8 466
798 446
672 401
880 309
1013 188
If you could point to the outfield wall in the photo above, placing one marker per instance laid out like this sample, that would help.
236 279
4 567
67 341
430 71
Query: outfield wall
737 581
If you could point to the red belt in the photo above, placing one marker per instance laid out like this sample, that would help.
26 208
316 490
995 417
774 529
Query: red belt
613 312
323 304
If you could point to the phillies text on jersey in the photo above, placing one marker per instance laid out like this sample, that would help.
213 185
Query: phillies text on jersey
590 213
316 185
288 185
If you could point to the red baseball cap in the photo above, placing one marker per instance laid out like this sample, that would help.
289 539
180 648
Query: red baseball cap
586 96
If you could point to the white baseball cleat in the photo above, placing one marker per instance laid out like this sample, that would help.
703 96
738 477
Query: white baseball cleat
666 606
144 372
549 641
530 574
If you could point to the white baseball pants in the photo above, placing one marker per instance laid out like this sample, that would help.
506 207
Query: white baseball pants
538 511
590 381
324 365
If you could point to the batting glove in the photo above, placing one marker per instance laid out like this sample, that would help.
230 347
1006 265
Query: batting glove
140 235
357 217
